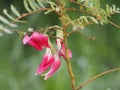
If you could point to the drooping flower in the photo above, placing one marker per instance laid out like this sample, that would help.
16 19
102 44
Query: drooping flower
49 61
61 49
62 52
36 40
54 67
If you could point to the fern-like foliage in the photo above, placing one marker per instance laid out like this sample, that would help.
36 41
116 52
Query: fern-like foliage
32 5
96 14
8 20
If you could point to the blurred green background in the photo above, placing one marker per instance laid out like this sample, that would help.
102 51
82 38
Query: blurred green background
18 63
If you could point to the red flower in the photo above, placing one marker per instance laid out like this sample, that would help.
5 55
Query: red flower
49 61
61 49
37 40
62 52
54 67
46 62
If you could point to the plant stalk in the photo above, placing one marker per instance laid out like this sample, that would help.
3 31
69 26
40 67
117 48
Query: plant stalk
70 71
97 76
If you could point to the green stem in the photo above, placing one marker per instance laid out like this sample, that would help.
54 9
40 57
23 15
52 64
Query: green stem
27 14
114 24
71 74
95 77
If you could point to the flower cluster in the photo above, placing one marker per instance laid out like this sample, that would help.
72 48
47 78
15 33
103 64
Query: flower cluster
50 60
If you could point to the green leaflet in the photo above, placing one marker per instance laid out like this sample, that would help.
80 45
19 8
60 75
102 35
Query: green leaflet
96 3
26 5
5 29
14 10
12 18
4 20
35 4
39 2
8 15
31 4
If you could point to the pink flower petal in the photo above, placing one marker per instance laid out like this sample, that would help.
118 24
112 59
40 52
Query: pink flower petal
55 66
46 62
61 49
25 39
36 40
36 45
69 53
43 41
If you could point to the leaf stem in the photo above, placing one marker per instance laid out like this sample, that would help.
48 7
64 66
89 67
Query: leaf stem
29 13
113 24
71 74
95 77
77 3
78 10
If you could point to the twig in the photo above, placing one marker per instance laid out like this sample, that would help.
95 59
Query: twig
95 77
71 74
77 10
26 14
113 24
77 3
86 36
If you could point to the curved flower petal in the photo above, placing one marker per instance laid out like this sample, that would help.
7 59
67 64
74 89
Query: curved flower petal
36 45
46 62
36 40
25 39
54 67
69 53
61 49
